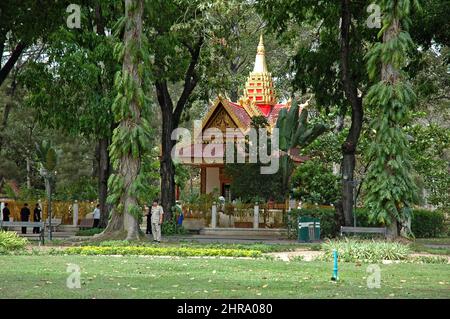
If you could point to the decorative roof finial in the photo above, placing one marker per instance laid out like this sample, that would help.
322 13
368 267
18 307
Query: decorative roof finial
260 60
259 88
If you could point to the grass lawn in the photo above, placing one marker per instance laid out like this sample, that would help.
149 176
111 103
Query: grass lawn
43 276
437 246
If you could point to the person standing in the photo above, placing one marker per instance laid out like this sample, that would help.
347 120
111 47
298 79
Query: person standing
25 216
96 216
6 213
157 219
149 220
37 218
2 205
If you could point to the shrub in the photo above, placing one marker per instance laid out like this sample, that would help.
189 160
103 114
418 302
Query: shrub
314 182
172 228
365 251
89 232
10 241
426 223
158 251
328 225
429 259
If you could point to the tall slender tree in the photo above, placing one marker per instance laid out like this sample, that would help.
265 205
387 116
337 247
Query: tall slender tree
131 138
391 189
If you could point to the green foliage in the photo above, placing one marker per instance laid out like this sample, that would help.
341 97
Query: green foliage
262 247
181 175
11 241
314 183
365 251
389 184
159 251
170 227
428 151
89 232
426 223
253 184
85 188
47 155
294 132
131 138
9 191
428 259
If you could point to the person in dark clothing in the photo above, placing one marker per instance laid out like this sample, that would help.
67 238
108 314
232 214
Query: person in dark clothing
37 218
25 216
149 220
6 213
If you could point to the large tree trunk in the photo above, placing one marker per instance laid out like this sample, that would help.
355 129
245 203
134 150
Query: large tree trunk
351 94
130 166
125 222
103 175
167 168
391 75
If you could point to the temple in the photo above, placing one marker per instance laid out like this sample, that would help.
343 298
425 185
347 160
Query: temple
259 99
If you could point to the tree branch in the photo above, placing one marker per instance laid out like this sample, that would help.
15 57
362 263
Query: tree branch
190 81
6 69
163 96
350 89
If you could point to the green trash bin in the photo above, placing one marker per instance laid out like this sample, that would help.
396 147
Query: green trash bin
308 229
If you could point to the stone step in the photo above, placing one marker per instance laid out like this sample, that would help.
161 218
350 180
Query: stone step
69 228
245 232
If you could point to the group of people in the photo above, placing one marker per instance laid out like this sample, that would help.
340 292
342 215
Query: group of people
155 214
24 216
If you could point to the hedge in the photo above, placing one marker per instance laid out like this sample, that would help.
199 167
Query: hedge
158 251
424 223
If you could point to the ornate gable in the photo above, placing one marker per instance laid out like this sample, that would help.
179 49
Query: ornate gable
220 119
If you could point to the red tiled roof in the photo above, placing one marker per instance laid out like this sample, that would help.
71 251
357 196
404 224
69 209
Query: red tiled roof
271 114
241 113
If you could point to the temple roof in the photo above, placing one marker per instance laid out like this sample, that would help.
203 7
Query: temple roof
259 97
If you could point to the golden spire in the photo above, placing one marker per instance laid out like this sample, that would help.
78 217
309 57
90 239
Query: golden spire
259 87
260 60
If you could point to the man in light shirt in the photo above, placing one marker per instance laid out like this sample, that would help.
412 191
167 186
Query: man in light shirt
157 219
96 216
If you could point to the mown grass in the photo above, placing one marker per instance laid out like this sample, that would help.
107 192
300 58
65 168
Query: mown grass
419 245
179 277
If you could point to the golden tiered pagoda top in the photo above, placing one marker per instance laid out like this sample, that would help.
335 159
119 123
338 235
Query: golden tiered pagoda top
259 86
259 99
